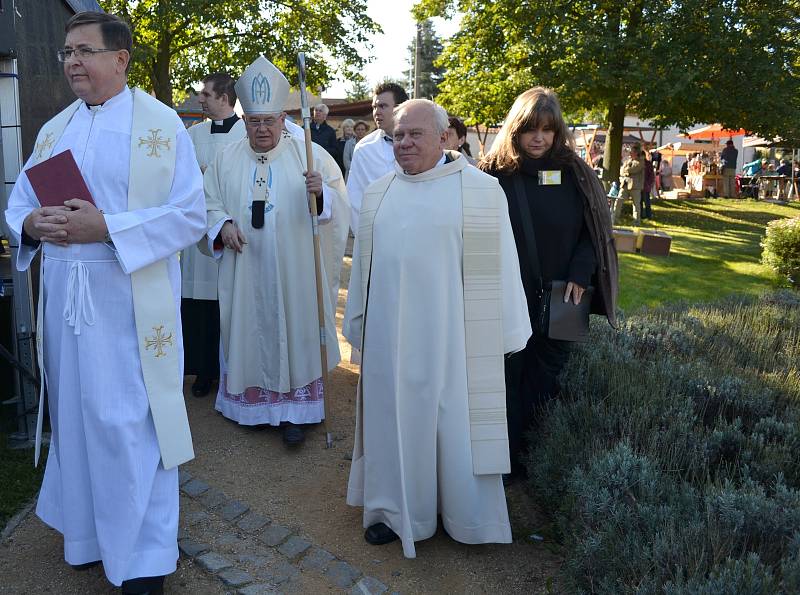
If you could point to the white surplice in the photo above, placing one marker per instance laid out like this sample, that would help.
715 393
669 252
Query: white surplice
267 294
373 157
414 425
104 487
198 271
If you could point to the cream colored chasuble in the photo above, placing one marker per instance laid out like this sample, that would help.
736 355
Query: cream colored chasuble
152 165
483 305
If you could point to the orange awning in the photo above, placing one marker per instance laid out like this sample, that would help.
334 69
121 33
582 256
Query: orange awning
714 132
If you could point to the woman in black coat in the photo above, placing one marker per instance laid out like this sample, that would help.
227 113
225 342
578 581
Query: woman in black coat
534 152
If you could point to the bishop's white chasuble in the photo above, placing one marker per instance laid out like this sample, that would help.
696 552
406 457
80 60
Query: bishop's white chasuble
267 293
111 348
435 301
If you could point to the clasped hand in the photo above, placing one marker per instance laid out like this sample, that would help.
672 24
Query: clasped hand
77 222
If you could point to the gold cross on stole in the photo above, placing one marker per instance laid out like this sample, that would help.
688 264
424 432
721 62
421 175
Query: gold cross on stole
154 142
159 341
45 145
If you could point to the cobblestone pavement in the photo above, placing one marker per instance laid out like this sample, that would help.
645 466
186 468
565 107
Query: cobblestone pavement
252 554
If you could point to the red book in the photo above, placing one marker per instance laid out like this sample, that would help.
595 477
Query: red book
57 180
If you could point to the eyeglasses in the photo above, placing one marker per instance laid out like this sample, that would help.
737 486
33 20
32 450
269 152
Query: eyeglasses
268 122
80 53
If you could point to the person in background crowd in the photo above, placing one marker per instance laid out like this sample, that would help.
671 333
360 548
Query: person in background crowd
647 185
322 133
631 182
754 167
348 134
360 130
457 139
665 174
373 156
572 227
728 158
684 171
655 159
199 305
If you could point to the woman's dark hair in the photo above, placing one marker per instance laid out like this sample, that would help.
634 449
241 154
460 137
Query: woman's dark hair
536 107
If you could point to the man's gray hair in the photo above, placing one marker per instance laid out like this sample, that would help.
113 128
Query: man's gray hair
439 114
321 107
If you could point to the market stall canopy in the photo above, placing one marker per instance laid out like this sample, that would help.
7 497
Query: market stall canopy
600 137
777 142
713 132
682 148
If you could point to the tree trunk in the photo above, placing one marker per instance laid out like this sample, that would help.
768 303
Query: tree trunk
161 77
612 156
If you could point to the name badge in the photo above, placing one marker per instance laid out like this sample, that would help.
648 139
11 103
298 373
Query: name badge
550 177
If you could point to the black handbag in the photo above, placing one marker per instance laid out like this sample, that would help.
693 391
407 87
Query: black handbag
555 319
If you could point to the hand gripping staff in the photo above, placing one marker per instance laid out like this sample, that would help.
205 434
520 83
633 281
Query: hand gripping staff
312 207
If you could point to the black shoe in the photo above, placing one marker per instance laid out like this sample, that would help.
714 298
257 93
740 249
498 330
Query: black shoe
293 435
380 534
87 566
201 387
146 585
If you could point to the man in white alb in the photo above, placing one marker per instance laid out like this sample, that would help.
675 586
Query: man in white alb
373 156
435 301
260 229
199 306
110 335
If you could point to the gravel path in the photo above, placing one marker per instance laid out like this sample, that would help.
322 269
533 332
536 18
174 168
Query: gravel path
257 517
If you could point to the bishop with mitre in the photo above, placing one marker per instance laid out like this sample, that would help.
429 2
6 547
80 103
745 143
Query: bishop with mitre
260 230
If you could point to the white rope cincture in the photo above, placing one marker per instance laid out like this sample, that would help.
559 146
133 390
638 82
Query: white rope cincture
79 306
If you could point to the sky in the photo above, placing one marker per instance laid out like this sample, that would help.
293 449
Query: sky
390 48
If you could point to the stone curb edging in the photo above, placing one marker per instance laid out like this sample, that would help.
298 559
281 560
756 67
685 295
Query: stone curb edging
292 552
16 520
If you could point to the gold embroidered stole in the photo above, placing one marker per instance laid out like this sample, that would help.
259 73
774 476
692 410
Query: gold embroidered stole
152 167
483 314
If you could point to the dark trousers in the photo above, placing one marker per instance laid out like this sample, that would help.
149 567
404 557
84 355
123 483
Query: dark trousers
647 207
200 320
531 381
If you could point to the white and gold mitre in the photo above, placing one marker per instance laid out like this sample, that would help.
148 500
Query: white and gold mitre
262 88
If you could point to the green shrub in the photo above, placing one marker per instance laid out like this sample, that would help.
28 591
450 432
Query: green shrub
671 462
782 248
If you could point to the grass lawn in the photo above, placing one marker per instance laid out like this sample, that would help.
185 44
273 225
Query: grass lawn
19 480
715 251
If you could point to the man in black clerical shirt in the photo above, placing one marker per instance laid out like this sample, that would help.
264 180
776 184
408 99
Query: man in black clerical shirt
199 305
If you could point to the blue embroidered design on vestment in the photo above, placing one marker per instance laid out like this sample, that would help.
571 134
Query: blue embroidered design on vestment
260 91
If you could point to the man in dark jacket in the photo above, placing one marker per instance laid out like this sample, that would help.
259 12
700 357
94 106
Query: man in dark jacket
322 133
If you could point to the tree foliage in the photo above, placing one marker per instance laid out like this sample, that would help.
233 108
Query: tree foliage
430 72
177 42
359 90
732 61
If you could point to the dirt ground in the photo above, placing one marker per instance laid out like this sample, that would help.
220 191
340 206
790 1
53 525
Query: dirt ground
305 490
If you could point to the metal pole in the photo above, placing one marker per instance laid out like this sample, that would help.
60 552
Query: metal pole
26 396
417 55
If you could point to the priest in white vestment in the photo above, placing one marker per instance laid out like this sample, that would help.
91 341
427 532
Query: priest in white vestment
199 306
109 319
260 230
373 156
435 301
